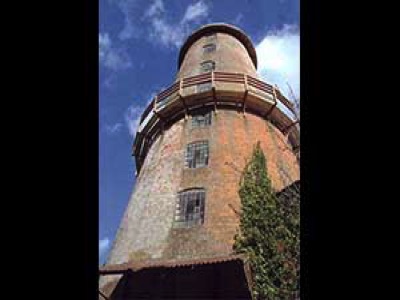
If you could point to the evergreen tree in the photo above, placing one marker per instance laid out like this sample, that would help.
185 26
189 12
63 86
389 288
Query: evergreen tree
269 233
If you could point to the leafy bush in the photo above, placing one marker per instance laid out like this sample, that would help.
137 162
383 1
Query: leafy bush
269 233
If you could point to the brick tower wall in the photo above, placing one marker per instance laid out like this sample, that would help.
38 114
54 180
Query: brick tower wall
230 56
147 230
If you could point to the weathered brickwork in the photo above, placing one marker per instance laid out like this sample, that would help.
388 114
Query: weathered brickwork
147 231
149 214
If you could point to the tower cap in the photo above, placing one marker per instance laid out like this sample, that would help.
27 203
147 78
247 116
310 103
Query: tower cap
214 28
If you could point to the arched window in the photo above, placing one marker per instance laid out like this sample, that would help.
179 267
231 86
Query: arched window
190 208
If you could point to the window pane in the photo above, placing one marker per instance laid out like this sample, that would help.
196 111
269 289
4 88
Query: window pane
207 66
209 48
203 87
197 154
190 208
201 120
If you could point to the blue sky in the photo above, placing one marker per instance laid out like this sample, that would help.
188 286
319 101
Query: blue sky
139 42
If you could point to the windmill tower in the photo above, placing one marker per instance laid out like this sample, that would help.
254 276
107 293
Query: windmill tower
191 146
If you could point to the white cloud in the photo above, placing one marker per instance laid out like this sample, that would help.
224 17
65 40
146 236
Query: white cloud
155 9
166 34
130 9
195 12
279 59
104 45
111 57
112 129
159 29
110 80
132 118
117 61
128 31
172 34
238 19
134 112
104 244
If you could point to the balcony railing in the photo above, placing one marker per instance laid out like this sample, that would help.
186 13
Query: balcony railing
216 88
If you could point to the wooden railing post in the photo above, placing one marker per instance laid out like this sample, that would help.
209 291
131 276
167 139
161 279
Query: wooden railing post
155 103
213 91
275 101
289 127
157 114
180 95
274 88
246 91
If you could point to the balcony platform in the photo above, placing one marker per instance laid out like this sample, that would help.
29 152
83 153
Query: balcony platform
218 89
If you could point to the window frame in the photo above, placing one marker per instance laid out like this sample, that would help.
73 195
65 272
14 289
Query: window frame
204 87
207 46
194 158
194 198
204 63
205 122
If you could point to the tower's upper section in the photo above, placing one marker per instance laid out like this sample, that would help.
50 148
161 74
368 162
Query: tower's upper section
217 66
219 47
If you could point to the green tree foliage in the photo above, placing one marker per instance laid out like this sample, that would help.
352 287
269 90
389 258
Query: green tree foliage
269 233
